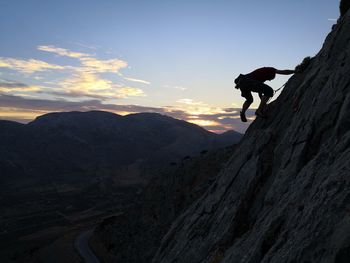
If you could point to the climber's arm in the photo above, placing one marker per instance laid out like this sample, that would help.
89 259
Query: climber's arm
285 72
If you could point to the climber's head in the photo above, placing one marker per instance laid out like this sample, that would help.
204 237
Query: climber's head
238 79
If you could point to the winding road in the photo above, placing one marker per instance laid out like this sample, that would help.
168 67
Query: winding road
81 244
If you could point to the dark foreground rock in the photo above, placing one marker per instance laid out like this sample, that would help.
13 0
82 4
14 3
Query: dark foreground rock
284 196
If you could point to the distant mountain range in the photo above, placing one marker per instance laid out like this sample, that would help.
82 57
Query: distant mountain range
82 145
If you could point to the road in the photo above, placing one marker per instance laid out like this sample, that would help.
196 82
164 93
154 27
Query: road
81 244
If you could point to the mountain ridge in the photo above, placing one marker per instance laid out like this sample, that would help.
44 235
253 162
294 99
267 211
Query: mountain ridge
114 140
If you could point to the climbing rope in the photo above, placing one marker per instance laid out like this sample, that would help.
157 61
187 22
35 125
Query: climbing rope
275 91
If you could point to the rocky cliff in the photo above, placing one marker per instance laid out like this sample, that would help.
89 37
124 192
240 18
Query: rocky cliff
284 195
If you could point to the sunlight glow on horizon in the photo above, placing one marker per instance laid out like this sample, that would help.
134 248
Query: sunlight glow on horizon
206 123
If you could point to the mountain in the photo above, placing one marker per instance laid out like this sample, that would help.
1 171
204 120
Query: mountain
65 168
61 143
284 195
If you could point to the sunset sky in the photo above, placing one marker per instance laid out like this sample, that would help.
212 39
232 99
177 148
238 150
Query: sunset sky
173 57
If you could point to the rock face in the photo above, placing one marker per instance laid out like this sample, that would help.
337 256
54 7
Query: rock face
344 6
135 235
284 195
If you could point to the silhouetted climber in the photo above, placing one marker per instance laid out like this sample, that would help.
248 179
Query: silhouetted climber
254 82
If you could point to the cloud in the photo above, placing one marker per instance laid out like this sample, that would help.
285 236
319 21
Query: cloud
204 123
18 102
125 92
175 87
84 45
62 51
28 66
94 65
332 19
227 121
21 89
196 108
190 102
19 115
85 79
11 87
89 62
11 84
86 84
138 80
117 93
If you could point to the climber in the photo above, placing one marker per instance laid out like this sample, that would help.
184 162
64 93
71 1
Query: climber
254 82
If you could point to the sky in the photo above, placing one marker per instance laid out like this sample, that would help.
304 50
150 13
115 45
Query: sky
177 58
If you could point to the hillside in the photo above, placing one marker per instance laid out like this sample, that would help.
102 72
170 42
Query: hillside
284 195
135 235
68 168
